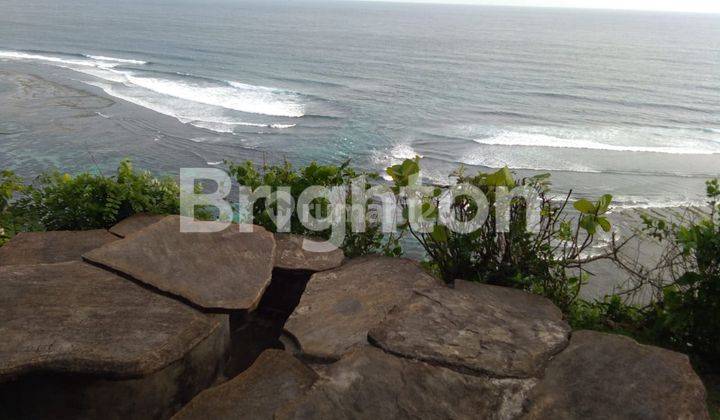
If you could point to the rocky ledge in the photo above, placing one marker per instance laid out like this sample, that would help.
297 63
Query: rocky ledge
147 322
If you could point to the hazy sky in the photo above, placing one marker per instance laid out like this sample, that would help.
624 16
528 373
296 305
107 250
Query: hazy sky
705 6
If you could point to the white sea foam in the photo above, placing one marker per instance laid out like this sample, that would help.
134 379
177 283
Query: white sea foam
234 96
16 55
521 162
214 126
68 61
394 156
203 103
229 126
635 202
115 60
538 139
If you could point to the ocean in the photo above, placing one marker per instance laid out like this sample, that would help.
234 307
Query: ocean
626 103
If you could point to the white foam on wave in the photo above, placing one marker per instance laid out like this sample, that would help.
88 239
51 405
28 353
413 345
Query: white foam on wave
521 162
535 139
115 60
229 126
394 156
234 96
16 55
635 202
203 103
66 61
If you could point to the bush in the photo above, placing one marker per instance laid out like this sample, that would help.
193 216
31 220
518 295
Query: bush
58 201
10 185
539 261
687 317
355 243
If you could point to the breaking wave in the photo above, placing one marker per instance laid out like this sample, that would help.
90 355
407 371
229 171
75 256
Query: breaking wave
577 140
215 105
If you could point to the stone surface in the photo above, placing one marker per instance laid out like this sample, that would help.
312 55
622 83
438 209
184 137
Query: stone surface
134 224
290 255
226 270
340 306
603 376
80 342
72 317
477 329
52 247
275 379
371 384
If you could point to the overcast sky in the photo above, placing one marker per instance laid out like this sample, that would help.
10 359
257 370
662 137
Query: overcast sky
705 6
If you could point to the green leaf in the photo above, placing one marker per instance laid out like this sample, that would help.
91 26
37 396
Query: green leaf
439 234
429 210
584 206
501 178
604 203
604 224
589 223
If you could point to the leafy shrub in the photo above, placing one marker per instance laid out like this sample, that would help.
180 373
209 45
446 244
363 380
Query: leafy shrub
63 202
355 244
611 314
10 185
687 317
538 260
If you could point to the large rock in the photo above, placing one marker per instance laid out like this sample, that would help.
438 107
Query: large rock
370 384
226 270
135 223
290 255
477 329
275 379
603 376
340 306
52 247
78 341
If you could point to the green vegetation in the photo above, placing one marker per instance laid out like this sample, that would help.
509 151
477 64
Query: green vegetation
545 255
535 255
56 201
371 241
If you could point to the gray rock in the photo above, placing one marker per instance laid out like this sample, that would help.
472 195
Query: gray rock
340 306
80 342
275 379
478 329
134 224
52 247
604 376
370 384
226 270
290 255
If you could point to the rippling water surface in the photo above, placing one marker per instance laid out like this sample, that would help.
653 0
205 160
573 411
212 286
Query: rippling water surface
619 102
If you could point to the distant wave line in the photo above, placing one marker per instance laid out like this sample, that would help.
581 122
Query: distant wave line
542 140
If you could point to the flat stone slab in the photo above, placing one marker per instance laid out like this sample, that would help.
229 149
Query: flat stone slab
604 376
478 329
134 224
290 255
52 247
370 384
226 270
76 318
275 379
340 306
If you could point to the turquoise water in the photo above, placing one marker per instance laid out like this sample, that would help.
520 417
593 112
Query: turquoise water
619 102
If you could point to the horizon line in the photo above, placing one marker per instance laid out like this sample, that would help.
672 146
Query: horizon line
537 6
